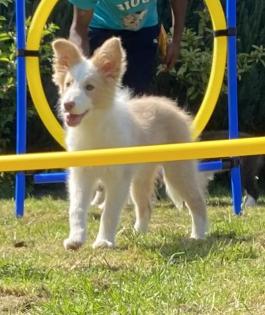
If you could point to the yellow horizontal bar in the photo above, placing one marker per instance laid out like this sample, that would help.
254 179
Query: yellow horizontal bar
133 155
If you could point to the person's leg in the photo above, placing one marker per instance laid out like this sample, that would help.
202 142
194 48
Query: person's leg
97 37
141 48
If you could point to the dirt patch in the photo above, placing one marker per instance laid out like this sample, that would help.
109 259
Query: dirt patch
15 301
11 304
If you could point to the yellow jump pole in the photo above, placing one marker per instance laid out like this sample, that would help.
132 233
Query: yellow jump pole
39 99
133 155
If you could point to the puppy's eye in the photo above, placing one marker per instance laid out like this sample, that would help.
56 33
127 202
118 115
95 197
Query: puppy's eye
89 87
68 83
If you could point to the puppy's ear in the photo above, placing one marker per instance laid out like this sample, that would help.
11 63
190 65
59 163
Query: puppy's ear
66 55
66 52
110 59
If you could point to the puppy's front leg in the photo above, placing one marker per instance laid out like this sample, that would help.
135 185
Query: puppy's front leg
116 196
80 193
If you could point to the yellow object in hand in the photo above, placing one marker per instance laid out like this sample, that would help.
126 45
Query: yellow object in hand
162 42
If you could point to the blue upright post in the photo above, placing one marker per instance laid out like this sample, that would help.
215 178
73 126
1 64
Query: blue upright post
232 99
21 103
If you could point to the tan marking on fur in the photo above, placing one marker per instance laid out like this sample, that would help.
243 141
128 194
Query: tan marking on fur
66 55
160 119
110 59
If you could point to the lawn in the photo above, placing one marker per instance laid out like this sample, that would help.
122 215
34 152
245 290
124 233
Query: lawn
162 272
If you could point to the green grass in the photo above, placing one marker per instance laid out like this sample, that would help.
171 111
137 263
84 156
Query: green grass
163 272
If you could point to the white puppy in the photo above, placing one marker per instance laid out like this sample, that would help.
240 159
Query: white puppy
97 113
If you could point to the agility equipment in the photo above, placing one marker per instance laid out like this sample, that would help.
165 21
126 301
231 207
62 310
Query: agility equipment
134 155
29 53
39 99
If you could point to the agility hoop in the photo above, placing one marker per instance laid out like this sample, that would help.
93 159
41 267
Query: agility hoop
217 71
205 111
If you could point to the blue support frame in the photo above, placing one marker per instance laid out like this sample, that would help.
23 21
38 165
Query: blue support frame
48 178
211 166
21 105
61 177
236 185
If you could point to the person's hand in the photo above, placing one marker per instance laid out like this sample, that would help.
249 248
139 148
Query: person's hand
172 54
79 29
81 40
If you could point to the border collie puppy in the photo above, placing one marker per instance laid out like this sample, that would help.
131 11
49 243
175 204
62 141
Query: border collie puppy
98 113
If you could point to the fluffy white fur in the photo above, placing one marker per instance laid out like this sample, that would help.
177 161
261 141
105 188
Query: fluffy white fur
97 113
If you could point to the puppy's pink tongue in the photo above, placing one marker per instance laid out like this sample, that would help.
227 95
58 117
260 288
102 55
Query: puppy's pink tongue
73 120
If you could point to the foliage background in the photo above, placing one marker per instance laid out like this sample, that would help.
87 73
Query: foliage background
189 80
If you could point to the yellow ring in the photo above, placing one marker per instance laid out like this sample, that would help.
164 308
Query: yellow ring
33 71
39 99
217 72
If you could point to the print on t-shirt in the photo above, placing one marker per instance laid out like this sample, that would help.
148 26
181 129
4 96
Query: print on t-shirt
120 14
133 21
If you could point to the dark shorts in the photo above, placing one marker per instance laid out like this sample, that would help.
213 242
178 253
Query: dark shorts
141 49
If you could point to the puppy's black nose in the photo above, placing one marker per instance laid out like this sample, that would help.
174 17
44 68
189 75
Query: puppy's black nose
68 106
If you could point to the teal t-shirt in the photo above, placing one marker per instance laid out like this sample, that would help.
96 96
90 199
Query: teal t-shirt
120 15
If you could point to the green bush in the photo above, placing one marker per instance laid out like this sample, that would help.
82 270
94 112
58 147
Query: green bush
188 80
37 135
7 82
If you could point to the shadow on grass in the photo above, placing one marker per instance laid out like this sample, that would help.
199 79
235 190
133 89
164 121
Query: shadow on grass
222 246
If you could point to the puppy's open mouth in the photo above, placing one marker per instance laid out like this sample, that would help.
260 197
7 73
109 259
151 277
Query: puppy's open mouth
73 120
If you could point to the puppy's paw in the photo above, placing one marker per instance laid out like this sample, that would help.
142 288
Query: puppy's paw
141 227
101 206
70 244
199 229
103 244
198 237
249 201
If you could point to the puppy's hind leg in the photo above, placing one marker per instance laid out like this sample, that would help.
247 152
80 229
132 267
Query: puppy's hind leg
99 198
182 179
116 195
141 193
